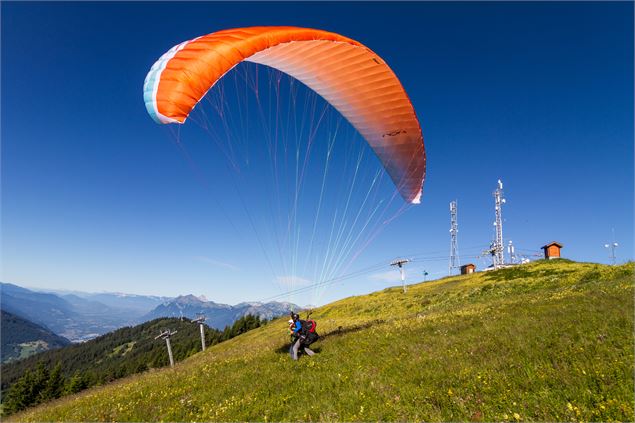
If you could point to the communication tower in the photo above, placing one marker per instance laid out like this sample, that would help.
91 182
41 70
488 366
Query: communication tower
612 246
499 257
454 248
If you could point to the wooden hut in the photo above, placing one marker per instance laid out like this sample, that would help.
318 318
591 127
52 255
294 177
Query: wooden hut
552 250
467 269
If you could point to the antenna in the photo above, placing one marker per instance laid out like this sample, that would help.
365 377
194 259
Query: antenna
498 252
399 263
511 251
612 246
454 248
491 251
200 319
166 334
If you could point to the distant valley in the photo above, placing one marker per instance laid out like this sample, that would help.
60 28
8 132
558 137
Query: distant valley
79 316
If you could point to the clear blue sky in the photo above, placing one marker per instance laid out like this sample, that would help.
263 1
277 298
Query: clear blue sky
97 197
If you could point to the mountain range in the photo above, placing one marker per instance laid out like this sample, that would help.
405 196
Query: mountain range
80 316
217 315
72 316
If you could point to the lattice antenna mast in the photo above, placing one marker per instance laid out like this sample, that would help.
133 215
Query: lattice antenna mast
454 247
166 334
499 257
612 246
200 319
400 263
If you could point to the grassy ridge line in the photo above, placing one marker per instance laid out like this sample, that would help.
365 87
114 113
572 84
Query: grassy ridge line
546 341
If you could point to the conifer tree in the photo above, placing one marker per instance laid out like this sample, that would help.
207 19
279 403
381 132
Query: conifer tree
75 384
19 395
55 384
40 379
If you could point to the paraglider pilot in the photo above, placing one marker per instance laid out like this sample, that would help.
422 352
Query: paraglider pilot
297 336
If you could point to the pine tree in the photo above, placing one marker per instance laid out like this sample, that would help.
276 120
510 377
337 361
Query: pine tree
40 378
227 333
75 384
18 396
55 384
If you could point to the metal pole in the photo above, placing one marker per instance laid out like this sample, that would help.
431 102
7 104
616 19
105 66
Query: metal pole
403 278
202 335
167 341
166 335
399 263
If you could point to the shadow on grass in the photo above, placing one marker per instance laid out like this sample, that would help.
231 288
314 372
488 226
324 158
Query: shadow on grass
284 349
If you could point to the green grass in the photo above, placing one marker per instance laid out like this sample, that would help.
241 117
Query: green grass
548 341
27 349
122 349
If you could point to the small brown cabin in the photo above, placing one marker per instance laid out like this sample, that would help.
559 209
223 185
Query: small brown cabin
552 250
467 269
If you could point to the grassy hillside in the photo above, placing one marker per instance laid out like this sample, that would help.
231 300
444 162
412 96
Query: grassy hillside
115 355
545 341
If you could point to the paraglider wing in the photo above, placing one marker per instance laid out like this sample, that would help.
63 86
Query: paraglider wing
348 75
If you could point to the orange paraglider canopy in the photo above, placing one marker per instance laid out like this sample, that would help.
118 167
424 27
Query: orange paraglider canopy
350 76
